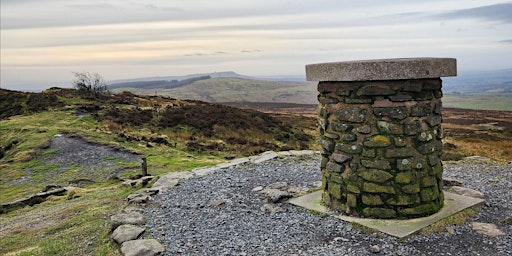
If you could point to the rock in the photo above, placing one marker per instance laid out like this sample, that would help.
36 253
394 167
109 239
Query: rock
126 232
273 195
137 198
142 196
466 192
133 218
272 208
139 183
50 187
449 182
257 189
166 182
218 202
143 247
133 208
487 229
204 171
375 249
279 185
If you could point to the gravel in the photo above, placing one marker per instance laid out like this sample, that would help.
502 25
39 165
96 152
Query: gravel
221 214
87 160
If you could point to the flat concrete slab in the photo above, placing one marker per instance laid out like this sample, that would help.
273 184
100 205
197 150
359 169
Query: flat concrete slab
453 203
385 69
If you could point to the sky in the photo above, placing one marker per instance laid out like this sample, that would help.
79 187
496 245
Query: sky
44 41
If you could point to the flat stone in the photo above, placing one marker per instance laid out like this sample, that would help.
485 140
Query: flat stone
273 195
265 156
466 192
204 171
384 69
126 232
487 229
133 218
453 203
142 247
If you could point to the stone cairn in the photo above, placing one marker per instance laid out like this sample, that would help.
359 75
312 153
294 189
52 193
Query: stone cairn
380 133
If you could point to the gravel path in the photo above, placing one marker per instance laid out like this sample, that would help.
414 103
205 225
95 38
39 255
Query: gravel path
220 214
86 160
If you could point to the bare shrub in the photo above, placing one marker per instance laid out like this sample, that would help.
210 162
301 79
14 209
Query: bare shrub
90 84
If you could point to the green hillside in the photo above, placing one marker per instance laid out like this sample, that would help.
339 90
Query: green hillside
237 90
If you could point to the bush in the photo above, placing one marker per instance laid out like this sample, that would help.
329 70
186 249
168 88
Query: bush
91 85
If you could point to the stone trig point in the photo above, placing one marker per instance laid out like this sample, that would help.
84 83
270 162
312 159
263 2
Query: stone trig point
380 132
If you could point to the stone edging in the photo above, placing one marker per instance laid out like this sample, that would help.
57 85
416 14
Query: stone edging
127 226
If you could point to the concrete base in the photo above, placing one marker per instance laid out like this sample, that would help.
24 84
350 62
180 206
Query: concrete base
453 203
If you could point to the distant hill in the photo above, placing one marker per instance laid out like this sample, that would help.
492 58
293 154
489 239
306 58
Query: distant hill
483 83
234 89
157 84
113 83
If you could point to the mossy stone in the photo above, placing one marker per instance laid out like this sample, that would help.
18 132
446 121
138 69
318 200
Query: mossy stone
421 210
334 189
380 213
352 200
375 188
353 189
404 200
369 199
428 181
411 189
429 194
404 177
375 175
377 141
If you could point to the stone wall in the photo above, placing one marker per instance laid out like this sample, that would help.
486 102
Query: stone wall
381 147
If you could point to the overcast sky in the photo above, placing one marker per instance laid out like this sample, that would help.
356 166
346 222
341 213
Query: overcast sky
44 41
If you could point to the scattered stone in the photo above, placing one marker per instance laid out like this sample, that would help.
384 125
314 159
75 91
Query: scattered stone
126 232
50 187
487 229
140 182
450 182
143 247
133 208
204 171
273 195
375 249
317 184
219 202
466 192
272 208
257 189
133 218
166 182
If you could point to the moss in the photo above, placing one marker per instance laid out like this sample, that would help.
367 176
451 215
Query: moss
377 141
456 219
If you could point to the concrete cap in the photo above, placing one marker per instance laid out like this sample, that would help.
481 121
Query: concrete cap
385 69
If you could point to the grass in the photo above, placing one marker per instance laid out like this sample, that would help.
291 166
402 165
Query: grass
60 226
78 223
236 89
459 218
478 102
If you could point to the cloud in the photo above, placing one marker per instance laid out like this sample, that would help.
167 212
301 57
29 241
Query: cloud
508 41
496 12
250 51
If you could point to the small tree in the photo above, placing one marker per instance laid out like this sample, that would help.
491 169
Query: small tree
91 84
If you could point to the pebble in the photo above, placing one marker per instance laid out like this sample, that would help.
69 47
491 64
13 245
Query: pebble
241 226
